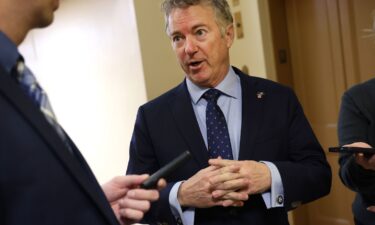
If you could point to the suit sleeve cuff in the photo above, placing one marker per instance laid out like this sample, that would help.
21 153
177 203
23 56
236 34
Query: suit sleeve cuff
186 216
275 197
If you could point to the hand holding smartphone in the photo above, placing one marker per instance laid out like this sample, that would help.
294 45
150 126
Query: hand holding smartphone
152 181
368 152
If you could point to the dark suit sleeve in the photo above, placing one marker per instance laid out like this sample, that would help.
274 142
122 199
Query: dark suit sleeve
354 125
306 174
142 159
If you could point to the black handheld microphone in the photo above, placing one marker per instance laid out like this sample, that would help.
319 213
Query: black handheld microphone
151 182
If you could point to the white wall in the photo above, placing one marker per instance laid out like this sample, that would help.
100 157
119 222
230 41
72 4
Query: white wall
90 65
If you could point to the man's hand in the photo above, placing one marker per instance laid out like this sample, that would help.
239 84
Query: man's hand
254 176
371 208
128 202
366 163
197 191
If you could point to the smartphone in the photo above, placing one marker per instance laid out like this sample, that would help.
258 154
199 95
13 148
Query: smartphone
368 152
163 172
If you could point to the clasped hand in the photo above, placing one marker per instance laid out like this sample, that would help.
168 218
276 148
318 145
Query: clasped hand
224 183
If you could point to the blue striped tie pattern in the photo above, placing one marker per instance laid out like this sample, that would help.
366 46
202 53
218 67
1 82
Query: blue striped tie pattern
218 139
31 87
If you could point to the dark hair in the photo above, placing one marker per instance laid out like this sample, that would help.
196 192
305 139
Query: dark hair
220 7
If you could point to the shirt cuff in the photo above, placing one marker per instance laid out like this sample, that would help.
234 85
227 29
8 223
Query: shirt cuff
186 216
274 198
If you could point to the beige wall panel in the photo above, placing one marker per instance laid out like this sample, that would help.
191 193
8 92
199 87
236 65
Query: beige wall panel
319 81
161 69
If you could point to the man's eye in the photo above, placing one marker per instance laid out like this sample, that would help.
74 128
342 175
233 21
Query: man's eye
200 32
176 38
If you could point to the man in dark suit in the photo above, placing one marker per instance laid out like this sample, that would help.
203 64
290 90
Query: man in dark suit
254 153
356 128
44 179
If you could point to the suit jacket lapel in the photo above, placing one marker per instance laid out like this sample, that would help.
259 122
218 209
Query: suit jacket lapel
92 186
252 111
37 120
186 121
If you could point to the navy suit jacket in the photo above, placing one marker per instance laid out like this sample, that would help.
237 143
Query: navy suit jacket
274 129
357 124
41 182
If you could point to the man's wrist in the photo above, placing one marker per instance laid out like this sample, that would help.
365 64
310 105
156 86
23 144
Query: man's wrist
267 171
180 197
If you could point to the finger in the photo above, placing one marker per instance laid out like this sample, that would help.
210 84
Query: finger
226 202
364 162
131 214
371 161
142 194
139 205
358 144
223 176
212 171
236 183
130 180
232 203
234 196
221 162
218 194
360 159
228 169
208 169
371 209
162 183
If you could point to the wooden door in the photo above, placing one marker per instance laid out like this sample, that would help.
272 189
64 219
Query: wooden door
326 53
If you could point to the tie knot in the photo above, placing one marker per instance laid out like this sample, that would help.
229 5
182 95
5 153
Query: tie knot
212 95
24 75
19 68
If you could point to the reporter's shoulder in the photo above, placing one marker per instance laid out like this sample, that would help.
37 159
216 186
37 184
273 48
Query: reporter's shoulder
366 88
368 85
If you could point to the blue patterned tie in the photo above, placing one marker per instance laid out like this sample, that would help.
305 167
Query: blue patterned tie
31 87
218 140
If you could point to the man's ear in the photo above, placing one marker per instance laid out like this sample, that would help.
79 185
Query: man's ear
229 35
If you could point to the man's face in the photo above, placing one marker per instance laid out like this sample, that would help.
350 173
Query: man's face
201 49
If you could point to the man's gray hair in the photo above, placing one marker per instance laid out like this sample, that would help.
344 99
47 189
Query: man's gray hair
220 7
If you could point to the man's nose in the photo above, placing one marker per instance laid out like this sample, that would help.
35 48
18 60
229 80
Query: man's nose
191 46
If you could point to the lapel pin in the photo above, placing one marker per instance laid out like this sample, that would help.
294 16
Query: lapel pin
260 94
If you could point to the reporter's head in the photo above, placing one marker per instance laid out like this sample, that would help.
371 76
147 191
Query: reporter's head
18 17
41 12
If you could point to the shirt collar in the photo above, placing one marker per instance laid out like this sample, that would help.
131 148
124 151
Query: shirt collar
229 86
8 53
